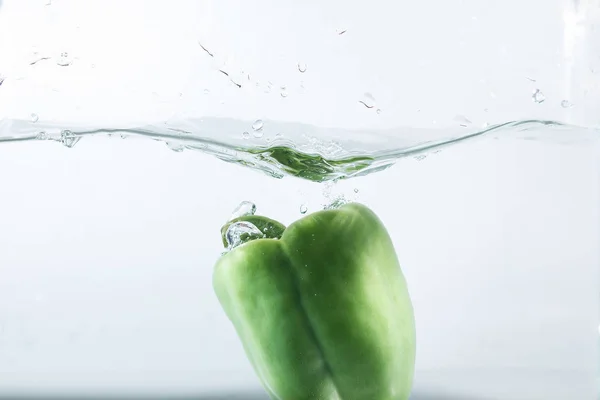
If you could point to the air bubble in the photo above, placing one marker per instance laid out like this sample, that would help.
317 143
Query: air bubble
241 232
246 135
302 67
34 118
303 209
283 91
336 203
68 138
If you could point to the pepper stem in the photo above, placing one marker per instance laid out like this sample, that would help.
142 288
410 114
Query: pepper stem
269 227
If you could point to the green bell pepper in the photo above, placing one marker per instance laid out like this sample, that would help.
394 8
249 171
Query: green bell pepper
321 307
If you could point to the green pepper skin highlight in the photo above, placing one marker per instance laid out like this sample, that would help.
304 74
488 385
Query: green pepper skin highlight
324 311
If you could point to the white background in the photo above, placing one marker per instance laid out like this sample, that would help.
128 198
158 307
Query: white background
106 250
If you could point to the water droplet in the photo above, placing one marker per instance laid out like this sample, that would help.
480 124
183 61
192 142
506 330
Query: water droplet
64 60
176 147
258 125
283 91
246 135
1 80
36 58
530 79
378 111
41 136
303 209
485 124
244 209
368 100
93 65
566 104
340 31
538 96
68 138
420 157
206 91
236 79
355 190
302 67
34 118
268 87
123 136
241 232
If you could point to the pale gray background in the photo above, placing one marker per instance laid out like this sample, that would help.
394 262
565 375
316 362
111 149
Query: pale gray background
106 250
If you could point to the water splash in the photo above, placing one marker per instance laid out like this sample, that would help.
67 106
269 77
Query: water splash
299 151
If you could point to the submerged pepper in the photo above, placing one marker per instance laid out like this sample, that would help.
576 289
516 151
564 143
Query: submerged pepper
321 307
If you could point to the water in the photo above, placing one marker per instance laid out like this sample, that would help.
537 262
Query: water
309 152
109 245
